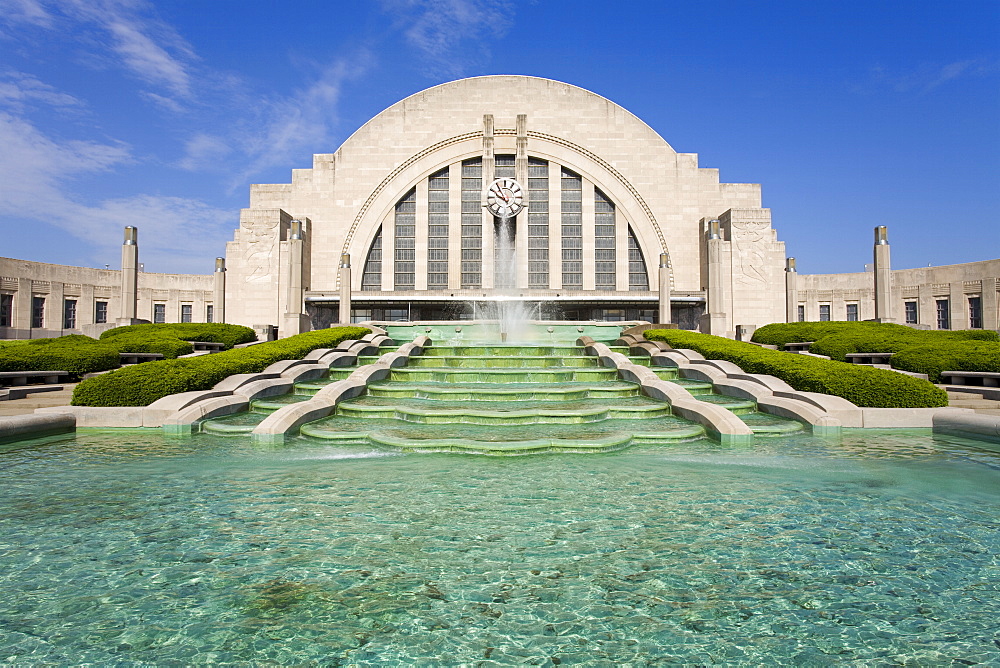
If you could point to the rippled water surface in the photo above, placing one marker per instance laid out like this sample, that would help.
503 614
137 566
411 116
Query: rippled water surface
131 548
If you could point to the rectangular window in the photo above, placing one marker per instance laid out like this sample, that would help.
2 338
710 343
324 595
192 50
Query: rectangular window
852 312
604 239
69 314
943 314
802 313
824 312
437 230
975 313
361 314
472 223
572 229
185 312
100 312
209 313
538 223
6 310
37 312
910 309
159 313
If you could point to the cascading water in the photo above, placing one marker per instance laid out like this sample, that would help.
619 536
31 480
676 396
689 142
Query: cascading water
506 308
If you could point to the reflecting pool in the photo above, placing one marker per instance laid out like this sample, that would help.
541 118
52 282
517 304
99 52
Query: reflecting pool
131 547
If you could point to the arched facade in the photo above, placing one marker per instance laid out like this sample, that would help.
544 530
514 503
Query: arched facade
605 196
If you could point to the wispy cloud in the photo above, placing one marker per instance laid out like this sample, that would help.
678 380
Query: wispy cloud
38 172
931 76
451 34
141 43
19 90
300 124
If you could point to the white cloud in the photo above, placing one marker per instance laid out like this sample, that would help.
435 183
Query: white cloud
25 11
18 89
203 152
144 45
301 123
931 76
451 33
37 173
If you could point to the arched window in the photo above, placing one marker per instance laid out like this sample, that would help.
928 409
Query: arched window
406 232
371 279
638 279
604 242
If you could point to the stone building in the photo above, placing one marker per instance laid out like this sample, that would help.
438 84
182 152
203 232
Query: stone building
498 188
604 202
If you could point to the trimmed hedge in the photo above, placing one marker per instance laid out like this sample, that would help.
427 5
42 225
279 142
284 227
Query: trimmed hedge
921 351
142 384
861 385
171 340
76 354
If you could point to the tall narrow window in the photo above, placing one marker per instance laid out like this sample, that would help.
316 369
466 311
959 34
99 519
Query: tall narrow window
538 223
406 232
209 313
6 310
437 230
638 279
802 312
472 223
504 167
943 314
975 313
100 312
185 312
371 279
572 230
69 314
37 312
159 313
910 309
824 312
852 312
604 241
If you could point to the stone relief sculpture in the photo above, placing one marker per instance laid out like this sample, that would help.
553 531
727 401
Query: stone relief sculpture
750 237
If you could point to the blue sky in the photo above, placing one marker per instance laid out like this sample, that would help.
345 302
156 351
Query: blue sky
850 114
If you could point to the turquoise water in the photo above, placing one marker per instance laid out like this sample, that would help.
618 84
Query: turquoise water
133 548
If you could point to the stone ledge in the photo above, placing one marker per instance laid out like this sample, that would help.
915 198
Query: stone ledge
16 427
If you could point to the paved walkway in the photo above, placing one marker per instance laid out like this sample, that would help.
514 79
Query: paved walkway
38 400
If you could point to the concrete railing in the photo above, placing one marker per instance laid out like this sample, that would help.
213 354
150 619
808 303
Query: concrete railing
286 421
720 423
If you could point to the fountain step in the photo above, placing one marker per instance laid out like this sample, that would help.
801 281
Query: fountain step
763 424
504 392
500 441
435 415
521 375
693 386
737 406
498 362
502 351
272 404
236 424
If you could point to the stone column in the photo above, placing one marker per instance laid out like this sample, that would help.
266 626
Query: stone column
665 316
883 276
791 291
345 288
219 291
521 220
294 318
130 275
714 322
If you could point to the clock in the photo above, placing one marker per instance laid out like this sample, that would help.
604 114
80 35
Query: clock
504 198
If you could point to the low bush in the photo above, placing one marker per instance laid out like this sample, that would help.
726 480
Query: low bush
76 354
932 359
918 350
861 385
171 340
142 384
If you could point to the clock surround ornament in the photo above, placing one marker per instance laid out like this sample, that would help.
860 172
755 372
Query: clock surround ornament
504 198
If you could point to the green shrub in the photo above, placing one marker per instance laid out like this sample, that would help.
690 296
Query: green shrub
76 354
861 385
171 340
142 384
918 350
932 359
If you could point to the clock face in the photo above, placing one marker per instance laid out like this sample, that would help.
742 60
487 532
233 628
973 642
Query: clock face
504 198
